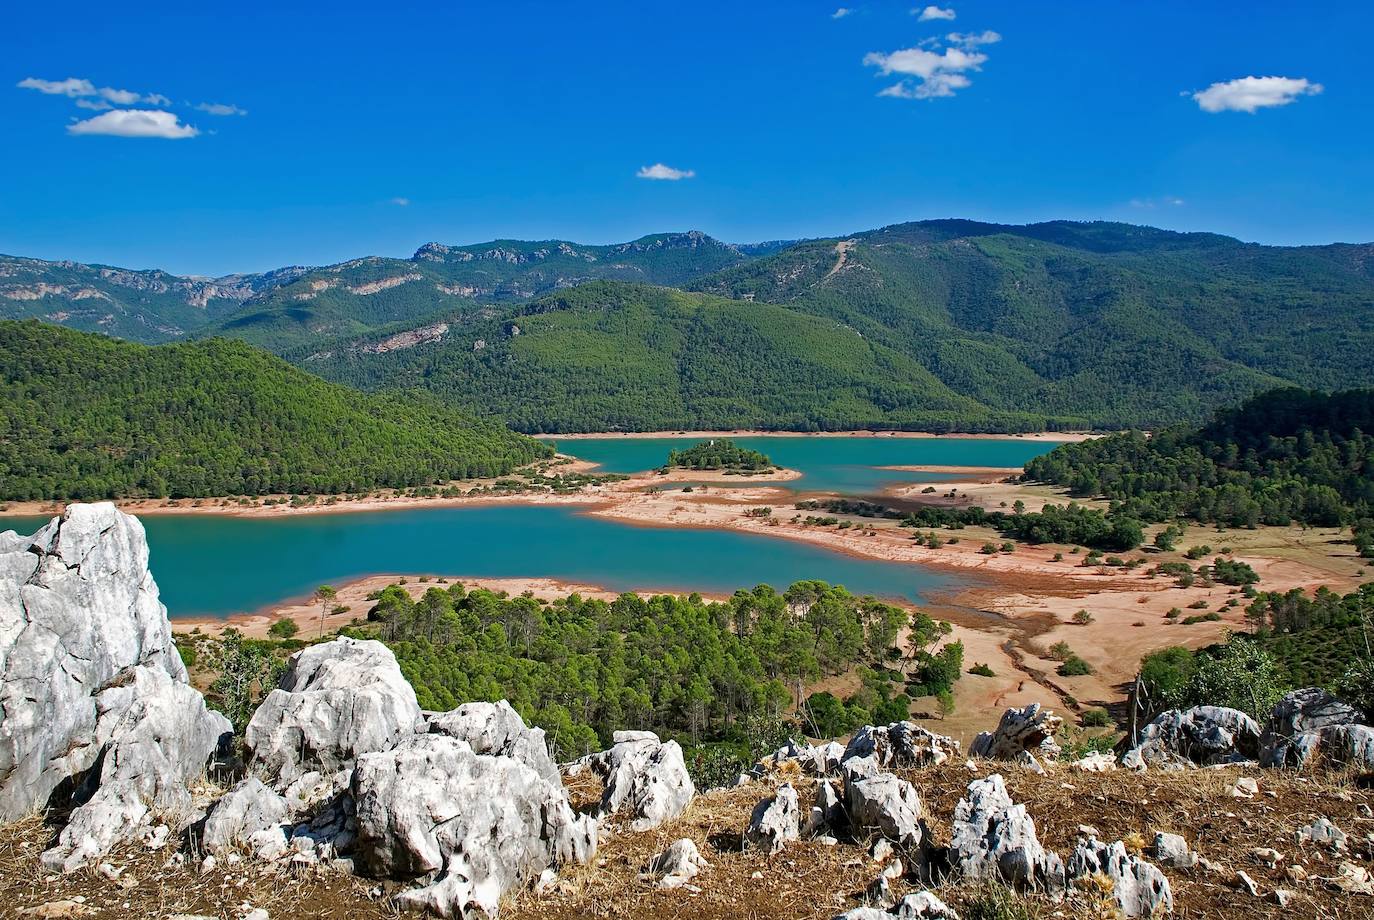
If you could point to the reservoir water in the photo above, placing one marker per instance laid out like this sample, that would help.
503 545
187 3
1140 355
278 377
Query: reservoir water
849 466
219 565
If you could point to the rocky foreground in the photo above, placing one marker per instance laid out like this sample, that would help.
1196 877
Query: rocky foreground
122 795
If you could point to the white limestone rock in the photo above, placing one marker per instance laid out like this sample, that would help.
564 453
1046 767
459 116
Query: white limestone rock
1028 729
1140 889
646 776
677 865
995 839
155 736
885 806
1311 723
901 744
336 701
1172 850
469 827
79 611
921 905
1200 736
775 821
496 728
249 817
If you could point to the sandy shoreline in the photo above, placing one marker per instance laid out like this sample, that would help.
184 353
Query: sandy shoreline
1050 436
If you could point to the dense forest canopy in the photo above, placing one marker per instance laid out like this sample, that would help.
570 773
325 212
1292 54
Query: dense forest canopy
89 417
1285 456
583 668
719 454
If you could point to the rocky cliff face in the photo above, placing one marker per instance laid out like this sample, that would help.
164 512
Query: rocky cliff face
97 710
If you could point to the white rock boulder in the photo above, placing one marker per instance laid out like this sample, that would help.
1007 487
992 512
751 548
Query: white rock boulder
775 821
1139 888
901 744
677 865
336 701
1027 730
1200 736
995 839
642 775
470 827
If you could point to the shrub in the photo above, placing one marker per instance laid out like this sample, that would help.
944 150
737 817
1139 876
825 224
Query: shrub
1097 718
284 628
982 670
1075 667
1060 651
988 549
1082 618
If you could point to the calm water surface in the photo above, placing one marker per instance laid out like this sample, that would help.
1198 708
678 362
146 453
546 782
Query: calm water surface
849 466
219 565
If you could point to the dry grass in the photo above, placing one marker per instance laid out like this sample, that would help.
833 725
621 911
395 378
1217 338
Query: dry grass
807 879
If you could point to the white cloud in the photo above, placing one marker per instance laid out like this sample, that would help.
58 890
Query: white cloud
1250 94
660 171
88 96
933 74
119 96
1150 204
400 202
841 13
220 108
973 39
72 86
134 123
934 12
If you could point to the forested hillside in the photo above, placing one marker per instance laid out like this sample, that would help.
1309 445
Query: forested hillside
89 417
942 324
1128 326
611 356
1284 456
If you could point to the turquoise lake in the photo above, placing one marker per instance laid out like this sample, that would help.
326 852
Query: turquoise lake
219 565
849 466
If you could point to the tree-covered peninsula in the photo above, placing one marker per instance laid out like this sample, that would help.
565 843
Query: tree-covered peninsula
89 417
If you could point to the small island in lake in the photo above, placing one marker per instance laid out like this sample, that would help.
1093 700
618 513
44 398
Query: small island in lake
719 454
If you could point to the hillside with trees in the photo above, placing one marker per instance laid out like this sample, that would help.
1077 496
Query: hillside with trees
952 325
705 671
89 417
1282 457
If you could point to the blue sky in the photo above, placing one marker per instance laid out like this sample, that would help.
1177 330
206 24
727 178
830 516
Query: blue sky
375 128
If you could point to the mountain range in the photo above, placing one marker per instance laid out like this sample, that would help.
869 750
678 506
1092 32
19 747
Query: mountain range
949 324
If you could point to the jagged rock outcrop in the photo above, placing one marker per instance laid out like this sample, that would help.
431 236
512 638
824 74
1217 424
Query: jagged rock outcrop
995 839
496 728
94 703
885 806
775 821
470 826
827 811
336 701
903 744
646 776
817 760
922 905
249 817
1139 888
677 865
1200 736
1309 724
1027 730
